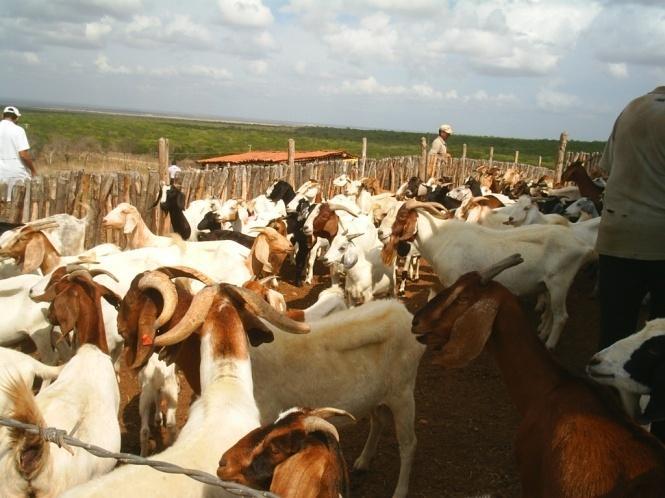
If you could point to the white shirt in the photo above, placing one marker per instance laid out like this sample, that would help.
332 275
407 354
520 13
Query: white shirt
439 147
173 169
12 141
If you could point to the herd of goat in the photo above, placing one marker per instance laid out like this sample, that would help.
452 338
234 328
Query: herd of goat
204 300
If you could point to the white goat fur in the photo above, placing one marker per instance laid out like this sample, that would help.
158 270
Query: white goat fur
86 391
158 382
223 414
372 342
552 257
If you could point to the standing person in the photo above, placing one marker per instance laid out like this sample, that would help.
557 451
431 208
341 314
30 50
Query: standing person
15 160
173 169
631 236
439 146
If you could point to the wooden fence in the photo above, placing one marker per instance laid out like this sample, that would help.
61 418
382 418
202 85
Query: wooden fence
71 191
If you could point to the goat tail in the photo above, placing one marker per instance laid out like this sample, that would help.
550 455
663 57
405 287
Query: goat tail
31 451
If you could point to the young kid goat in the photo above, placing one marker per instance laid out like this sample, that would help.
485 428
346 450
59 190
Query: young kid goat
573 441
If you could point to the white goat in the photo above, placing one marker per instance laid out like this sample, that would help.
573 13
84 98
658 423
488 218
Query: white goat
159 384
127 218
552 257
225 411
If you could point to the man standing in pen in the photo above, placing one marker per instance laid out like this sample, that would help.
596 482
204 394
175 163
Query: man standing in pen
15 160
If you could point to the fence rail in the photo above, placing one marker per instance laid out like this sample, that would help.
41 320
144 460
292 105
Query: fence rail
79 192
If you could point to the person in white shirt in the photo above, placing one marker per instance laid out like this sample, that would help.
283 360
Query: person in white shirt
173 169
15 159
439 147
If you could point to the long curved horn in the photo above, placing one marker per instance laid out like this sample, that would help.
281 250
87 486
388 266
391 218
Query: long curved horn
186 272
195 316
85 274
491 272
100 271
162 284
340 207
260 308
328 412
434 208
313 424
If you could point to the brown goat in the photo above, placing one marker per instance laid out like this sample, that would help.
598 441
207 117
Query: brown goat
576 173
76 307
32 250
297 456
268 252
573 440
155 306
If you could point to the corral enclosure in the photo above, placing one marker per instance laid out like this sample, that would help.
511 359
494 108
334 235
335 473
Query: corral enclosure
71 191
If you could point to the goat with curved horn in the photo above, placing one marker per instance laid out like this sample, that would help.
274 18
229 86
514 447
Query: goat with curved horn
434 208
489 273
161 282
341 207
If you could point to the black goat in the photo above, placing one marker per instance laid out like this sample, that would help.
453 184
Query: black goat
281 190
440 194
474 185
175 205
210 222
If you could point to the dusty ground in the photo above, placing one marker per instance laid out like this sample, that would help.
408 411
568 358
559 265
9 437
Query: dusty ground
464 419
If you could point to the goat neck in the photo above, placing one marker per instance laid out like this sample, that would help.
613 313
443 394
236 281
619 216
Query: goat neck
224 346
527 368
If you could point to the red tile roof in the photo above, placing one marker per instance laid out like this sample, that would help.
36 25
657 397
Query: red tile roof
276 157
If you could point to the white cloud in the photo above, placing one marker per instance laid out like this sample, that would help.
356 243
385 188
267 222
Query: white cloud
630 34
215 73
178 30
419 91
104 67
258 68
95 31
300 68
551 100
373 38
251 13
265 41
619 71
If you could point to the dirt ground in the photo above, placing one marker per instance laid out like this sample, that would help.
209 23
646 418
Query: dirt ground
465 421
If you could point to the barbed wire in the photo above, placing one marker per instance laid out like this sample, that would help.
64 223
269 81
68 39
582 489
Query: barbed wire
64 440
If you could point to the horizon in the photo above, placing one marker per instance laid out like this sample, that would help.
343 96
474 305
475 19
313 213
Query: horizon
506 68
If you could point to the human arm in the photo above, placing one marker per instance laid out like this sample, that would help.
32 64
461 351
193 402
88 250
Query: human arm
27 161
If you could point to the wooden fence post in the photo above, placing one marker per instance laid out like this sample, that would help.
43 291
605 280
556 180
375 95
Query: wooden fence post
363 157
491 155
422 173
292 162
163 159
561 153
540 161
517 156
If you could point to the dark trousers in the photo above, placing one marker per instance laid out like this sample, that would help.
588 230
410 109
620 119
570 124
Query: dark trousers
622 285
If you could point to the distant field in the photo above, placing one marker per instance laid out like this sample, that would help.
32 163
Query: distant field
67 132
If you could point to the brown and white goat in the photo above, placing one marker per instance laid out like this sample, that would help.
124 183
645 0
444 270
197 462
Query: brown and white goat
296 456
573 440
227 320
84 396
269 251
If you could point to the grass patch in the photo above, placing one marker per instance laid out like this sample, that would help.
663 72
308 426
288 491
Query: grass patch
74 132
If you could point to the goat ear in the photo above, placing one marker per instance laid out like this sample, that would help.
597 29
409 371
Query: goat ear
66 310
655 409
350 258
256 331
130 224
261 255
469 334
276 300
34 253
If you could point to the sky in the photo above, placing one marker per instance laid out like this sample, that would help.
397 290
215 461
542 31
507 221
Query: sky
509 68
